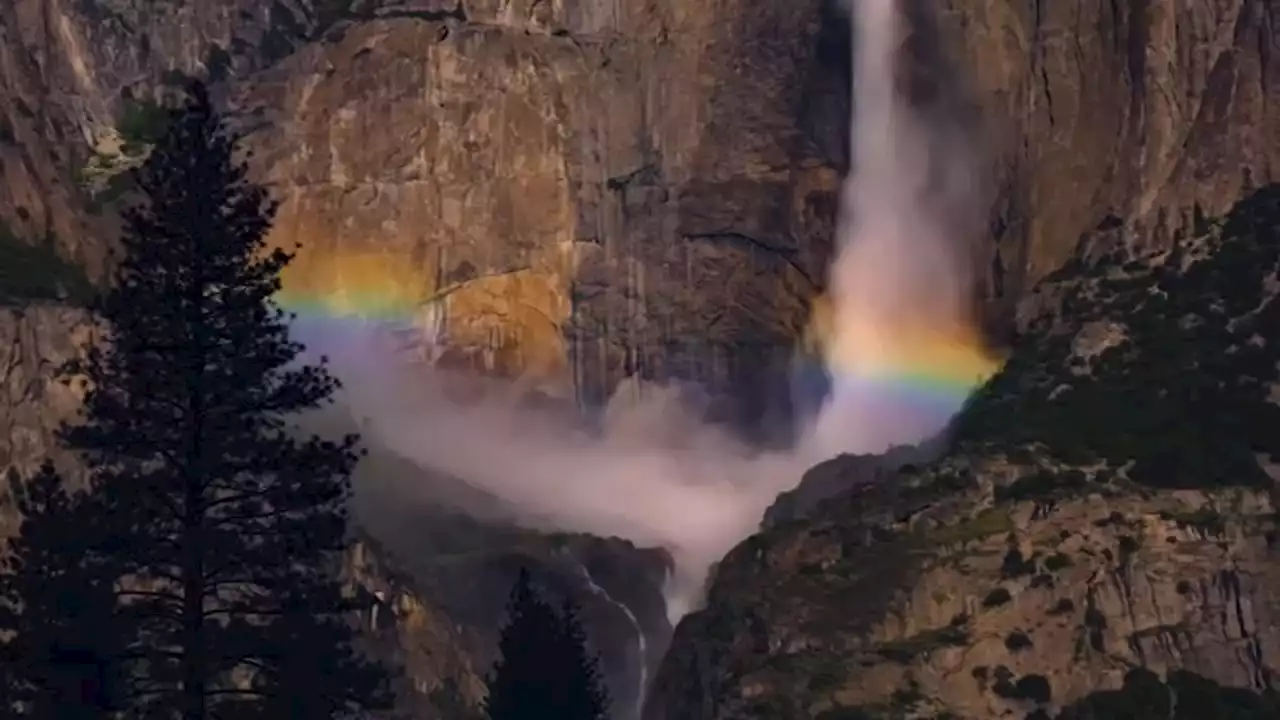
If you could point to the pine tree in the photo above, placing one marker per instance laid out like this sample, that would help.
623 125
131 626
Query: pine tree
65 644
545 670
584 692
228 526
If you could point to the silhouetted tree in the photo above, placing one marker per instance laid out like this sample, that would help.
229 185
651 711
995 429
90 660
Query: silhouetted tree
229 526
65 644
585 696
545 669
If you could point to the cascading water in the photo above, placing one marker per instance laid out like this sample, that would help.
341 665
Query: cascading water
642 643
897 338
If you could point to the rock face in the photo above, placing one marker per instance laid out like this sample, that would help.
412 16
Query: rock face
590 191
35 342
400 628
466 567
568 181
1141 111
1109 503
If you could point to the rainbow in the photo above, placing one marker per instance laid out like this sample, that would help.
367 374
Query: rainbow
340 298
909 362
368 286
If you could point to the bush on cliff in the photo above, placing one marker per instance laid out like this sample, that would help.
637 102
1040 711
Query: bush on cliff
35 272
1182 391
1184 696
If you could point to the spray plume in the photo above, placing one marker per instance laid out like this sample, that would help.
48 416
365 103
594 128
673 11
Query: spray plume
894 339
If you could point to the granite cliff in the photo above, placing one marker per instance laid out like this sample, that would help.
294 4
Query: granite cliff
595 189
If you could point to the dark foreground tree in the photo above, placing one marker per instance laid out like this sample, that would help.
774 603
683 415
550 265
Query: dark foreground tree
65 642
545 669
225 525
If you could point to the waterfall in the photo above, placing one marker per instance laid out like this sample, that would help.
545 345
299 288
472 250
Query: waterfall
900 285
642 643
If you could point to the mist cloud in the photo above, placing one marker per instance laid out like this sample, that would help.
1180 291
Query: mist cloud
654 473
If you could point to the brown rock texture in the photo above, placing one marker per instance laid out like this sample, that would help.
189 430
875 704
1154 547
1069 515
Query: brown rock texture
400 628
35 342
1141 111
893 601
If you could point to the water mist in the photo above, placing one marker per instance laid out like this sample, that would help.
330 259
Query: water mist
654 474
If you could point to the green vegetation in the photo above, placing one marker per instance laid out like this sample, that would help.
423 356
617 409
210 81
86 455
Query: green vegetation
907 649
1064 606
1017 641
996 598
1014 565
142 124
1056 562
1205 519
1043 484
106 177
1032 688
35 272
981 526
1182 392
544 669
1096 623
1184 696
905 702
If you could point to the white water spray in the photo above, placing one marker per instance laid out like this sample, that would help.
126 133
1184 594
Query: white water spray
900 282
642 642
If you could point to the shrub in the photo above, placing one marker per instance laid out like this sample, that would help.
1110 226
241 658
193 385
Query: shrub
143 122
1017 641
996 598
35 272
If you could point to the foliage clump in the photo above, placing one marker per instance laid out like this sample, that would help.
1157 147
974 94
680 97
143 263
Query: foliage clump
1180 395
143 123
35 272
1183 696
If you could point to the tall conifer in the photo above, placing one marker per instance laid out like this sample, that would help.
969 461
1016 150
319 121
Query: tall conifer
545 669
222 526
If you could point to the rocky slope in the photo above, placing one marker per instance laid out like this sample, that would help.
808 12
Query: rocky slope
1109 504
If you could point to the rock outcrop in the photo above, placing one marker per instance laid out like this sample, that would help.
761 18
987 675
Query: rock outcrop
1140 111
401 629
465 567
1109 504
35 343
